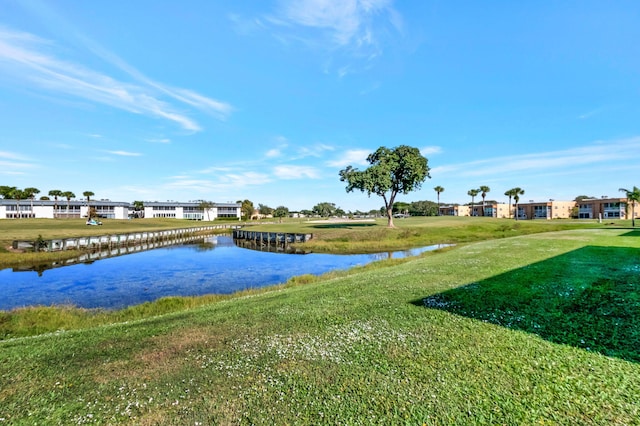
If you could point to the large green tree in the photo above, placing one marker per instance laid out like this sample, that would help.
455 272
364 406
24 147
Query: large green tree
424 208
280 212
394 171
324 209
246 208
633 196
264 209
5 191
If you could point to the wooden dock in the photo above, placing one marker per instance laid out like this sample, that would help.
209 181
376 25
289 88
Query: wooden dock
270 237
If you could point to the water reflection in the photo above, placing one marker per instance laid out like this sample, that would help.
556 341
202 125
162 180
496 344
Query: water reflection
87 257
211 265
271 248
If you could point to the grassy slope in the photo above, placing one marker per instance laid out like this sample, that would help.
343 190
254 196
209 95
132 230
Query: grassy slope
395 345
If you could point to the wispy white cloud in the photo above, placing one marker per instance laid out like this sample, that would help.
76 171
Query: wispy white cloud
159 140
27 58
591 113
125 153
12 163
355 27
429 150
348 22
295 172
272 153
316 150
609 152
222 182
356 157
12 156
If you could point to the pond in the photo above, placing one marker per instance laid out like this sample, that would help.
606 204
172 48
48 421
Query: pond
214 265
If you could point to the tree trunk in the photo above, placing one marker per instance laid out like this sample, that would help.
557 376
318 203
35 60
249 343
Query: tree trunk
390 218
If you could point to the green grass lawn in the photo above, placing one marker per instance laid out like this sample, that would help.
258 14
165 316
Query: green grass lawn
532 329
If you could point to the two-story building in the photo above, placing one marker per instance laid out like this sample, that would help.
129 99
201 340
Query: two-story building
551 209
75 209
500 210
192 211
603 208
62 209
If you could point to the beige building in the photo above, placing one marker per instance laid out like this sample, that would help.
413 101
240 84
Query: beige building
551 209
454 210
500 210
606 208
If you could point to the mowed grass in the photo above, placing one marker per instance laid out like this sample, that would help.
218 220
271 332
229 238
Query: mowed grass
468 335
373 235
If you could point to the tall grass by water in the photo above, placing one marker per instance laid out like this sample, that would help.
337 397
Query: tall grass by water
446 338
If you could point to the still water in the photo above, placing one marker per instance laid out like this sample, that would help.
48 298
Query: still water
214 266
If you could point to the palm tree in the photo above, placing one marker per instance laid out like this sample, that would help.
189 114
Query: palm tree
509 193
206 206
55 193
484 189
88 194
473 193
31 194
17 194
68 195
517 192
438 190
633 197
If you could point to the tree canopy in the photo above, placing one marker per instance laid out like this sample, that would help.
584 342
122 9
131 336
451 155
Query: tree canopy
324 209
394 171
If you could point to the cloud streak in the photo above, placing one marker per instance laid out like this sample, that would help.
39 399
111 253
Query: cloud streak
295 172
348 22
356 157
125 153
26 58
356 28
624 150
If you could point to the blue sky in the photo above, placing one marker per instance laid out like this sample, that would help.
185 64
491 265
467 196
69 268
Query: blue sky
267 100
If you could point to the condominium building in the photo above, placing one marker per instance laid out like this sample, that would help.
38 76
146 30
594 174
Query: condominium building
192 211
75 209
551 209
62 209
604 208
500 210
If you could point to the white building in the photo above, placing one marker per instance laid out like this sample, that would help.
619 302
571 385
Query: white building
192 211
76 209
61 209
